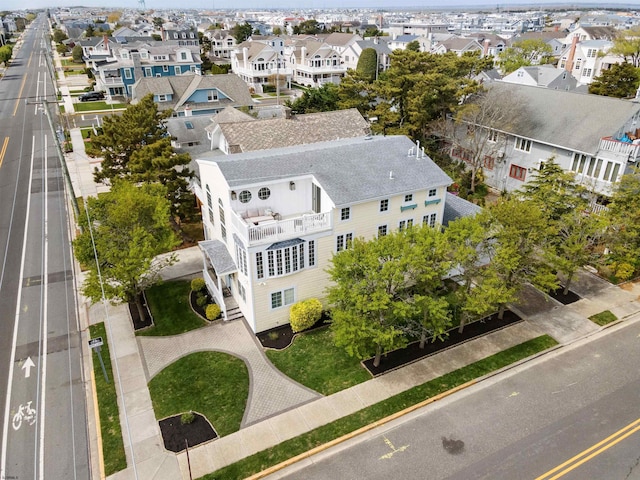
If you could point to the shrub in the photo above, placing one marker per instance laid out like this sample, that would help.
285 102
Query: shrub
305 314
197 284
202 299
212 312
187 418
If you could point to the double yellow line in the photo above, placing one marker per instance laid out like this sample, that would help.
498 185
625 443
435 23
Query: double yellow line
591 452
4 149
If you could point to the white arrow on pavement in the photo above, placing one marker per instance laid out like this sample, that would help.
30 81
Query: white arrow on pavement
28 365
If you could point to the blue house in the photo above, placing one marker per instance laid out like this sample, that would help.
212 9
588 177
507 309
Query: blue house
130 62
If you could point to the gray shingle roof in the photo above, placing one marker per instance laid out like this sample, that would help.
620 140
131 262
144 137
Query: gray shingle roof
299 129
350 170
571 120
456 207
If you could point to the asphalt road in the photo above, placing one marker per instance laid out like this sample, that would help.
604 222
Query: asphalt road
43 410
571 415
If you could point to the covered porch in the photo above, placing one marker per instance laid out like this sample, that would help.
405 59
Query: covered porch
218 270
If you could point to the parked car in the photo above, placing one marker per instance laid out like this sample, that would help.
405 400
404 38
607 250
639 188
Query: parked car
89 96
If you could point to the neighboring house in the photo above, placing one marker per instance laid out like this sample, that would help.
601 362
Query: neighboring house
189 95
546 76
274 218
400 42
458 45
222 43
181 37
586 59
555 39
230 133
590 135
132 61
340 42
492 44
351 55
188 132
314 63
257 62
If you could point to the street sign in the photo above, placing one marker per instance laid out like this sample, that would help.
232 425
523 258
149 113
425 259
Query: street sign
95 342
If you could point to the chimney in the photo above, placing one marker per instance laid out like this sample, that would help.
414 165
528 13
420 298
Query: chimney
245 56
572 52
485 48
303 54
105 41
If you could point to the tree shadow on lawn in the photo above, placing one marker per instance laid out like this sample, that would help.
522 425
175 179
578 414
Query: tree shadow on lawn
141 323
412 352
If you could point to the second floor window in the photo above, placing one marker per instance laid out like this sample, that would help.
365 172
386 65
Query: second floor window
382 230
384 205
343 241
523 144
519 173
345 213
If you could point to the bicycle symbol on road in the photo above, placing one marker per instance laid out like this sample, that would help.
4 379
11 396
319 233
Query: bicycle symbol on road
25 413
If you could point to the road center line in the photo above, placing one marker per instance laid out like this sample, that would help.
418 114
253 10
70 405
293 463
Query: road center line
16 323
15 109
591 452
4 150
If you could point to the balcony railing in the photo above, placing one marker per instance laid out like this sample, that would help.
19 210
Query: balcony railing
627 150
112 80
278 230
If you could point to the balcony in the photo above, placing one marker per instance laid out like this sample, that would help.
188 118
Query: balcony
281 228
112 81
628 151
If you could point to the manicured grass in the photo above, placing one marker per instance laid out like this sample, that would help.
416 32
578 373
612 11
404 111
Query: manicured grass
70 72
603 318
91 106
314 361
214 384
172 314
112 445
302 443
67 62
86 132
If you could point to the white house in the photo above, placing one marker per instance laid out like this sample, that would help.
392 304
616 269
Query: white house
274 218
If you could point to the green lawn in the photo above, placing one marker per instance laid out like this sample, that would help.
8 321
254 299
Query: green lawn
172 314
214 384
302 443
112 446
86 132
603 318
69 73
90 106
314 361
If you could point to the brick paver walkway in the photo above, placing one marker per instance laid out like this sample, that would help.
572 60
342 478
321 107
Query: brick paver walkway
271 392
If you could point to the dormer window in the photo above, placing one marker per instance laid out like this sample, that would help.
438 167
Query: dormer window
212 95
183 55
175 35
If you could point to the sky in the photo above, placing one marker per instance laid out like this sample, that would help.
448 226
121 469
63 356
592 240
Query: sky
300 4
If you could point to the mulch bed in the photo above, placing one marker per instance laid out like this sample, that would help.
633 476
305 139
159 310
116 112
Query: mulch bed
413 352
140 323
174 433
567 299
197 308
281 337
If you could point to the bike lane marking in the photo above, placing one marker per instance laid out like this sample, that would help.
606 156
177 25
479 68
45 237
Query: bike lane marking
7 408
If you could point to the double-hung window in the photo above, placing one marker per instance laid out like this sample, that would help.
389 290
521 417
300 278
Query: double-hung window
282 298
523 144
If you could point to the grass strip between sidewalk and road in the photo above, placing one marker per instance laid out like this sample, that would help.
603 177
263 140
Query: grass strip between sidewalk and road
112 444
326 433
603 318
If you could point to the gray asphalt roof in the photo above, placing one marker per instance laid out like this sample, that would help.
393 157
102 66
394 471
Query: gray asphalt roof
350 170
456 207
567 119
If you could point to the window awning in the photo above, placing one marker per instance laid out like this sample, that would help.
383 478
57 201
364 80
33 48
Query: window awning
286 243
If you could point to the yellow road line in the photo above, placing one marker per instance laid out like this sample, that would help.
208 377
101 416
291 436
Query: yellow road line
592 451
4 149
24 80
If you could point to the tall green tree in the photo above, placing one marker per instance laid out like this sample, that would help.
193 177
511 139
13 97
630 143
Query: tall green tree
369 294
5 53
76 54
627 45
130 227
139 125
523 54
623 233
320 99
241 31
368 64
430 263
621 80
308 27
519 231
355 91
135 146
59 36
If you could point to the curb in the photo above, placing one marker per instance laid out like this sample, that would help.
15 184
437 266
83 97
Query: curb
360 431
